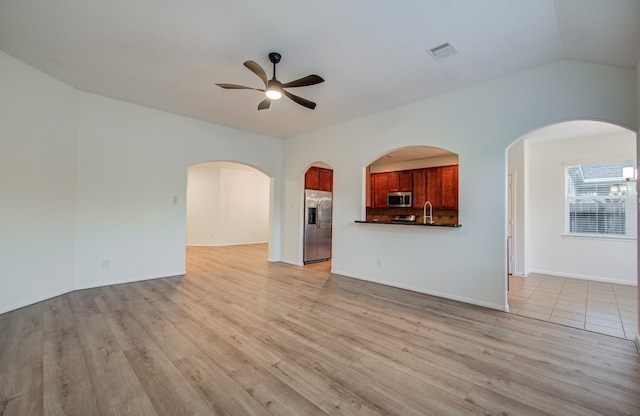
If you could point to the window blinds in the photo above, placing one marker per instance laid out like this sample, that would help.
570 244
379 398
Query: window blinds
600 200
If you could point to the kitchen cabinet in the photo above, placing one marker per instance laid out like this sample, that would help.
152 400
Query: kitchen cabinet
326 180
419 188
442 186
450 187
379 190
434 186
399 181
319 179
438 185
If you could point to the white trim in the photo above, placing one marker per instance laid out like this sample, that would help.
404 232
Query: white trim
35 300
584 277
224 245
503 308
293 263
131 280
599 237
638 341
74 288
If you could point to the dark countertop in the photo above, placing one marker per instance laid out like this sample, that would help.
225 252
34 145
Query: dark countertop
412 224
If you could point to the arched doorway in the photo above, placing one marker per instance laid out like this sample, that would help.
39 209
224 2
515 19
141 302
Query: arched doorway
318 213
572 224
228 203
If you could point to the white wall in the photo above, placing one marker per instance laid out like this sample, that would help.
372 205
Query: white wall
87 179
227 204
38 157
477 123
611 260
133 161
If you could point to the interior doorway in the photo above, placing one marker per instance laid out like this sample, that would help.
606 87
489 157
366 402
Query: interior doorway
318 214
228 203
572 222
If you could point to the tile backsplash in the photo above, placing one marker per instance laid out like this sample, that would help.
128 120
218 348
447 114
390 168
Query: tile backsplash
442 216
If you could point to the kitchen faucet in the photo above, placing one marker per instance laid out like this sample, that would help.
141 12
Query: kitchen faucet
430 213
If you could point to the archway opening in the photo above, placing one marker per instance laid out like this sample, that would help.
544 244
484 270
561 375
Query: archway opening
572 226
228 203
317 226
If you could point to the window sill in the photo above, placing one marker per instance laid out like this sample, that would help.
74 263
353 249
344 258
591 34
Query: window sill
598 237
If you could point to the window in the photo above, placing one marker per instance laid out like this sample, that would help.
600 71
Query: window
601 198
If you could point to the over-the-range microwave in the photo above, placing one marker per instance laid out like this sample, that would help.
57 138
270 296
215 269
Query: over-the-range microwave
399 200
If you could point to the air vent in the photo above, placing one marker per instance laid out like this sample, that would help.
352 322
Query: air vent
442 51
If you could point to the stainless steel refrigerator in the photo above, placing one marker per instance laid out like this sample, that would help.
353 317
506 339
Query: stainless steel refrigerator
317 226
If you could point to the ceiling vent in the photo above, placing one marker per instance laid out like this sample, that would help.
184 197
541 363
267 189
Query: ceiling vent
442 51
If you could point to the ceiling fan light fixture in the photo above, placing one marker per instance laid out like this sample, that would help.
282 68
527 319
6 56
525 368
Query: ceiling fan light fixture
274 89
273 94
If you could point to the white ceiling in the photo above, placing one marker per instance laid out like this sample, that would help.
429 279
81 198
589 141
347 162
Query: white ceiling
168 54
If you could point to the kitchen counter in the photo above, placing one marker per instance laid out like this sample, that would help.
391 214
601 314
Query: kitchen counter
412 224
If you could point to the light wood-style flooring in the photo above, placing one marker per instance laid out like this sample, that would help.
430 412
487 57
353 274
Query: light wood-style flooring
240 336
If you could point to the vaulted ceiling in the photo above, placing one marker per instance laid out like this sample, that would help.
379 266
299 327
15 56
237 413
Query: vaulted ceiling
373 54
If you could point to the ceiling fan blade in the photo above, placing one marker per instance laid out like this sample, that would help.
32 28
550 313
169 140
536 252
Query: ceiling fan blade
264 104
237 87
303 82
300 100
257 69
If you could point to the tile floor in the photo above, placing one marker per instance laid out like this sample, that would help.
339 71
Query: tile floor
595 306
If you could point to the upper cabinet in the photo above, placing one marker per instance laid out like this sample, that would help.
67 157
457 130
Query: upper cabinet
449 187
400 181
438 185
419 187
442 186
379 190
319 179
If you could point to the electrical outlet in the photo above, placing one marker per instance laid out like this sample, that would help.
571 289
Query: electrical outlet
106 263
379 262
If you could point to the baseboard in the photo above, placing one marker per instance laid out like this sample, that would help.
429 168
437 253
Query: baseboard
638 341
293 263
93 285
228 244
583 277
35 300
503 308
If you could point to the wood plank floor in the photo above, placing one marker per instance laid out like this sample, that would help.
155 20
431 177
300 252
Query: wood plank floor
240 336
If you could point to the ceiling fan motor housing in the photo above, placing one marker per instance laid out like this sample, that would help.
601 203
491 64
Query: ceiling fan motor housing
274 57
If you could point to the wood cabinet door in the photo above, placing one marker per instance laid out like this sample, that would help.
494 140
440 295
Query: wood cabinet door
326 180
449 187
312 178
393 181
405 181
379 190
434 186
419 188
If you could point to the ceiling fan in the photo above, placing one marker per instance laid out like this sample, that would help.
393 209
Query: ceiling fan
273 88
